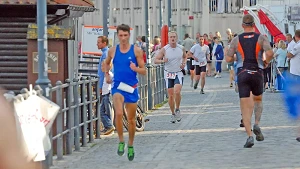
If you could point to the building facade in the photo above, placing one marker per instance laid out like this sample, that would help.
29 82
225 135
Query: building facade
187 16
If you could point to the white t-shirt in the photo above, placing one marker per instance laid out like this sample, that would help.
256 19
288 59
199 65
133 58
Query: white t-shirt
200 52
291 46
106 88
295 61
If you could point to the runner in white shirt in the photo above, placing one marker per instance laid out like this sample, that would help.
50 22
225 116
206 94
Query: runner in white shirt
174 57
200 53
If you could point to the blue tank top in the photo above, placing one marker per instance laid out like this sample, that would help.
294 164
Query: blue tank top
122 70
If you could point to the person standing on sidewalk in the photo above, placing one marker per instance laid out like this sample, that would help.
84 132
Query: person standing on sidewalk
174 57
105 107
249 47
201 54
127 62
188 44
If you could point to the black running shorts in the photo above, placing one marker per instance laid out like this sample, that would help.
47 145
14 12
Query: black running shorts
250 81
200 69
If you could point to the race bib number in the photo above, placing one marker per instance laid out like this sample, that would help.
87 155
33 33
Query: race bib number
202 63
195 62
171 75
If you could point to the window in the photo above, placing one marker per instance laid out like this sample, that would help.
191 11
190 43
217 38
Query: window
184 4
197 6
174 5
137 4
213 5
252 2
117 5
126 5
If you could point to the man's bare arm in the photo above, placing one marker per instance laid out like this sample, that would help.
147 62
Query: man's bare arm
109 58
208 57
190 54
229 52
184 56
139 58
267 48
289 55
160 56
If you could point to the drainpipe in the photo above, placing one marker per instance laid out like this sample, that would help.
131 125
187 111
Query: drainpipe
42 80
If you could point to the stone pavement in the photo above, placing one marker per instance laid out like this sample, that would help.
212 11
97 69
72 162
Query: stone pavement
208 136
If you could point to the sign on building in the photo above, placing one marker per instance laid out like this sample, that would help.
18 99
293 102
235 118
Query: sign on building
90 35
52 62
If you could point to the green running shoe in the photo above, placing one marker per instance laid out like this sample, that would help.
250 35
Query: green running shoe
121 148
130 154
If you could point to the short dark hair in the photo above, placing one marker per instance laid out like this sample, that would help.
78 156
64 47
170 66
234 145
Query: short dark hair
297 33
290 35
143 38
186 35
248 20
123 27
103 39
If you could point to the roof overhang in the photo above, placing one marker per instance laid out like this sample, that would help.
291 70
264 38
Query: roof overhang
30 10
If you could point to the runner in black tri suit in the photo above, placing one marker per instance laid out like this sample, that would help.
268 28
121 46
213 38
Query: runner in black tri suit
249 47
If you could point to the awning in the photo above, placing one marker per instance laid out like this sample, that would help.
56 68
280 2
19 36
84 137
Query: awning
82 5
255 28
274 31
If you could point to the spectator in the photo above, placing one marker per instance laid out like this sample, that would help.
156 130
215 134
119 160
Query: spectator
282 65
219 54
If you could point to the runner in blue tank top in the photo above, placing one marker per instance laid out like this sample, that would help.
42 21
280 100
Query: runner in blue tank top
127 62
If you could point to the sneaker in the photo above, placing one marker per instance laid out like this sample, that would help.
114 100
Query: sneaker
130 154
201 92
121 148
177 115
298 139
242 124
196 85
109 131
103 131
258 133
249 142
231 85
173 119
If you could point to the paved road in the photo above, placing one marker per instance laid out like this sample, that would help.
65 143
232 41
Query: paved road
208 136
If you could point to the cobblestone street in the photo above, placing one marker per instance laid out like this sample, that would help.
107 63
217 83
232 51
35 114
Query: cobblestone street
208 136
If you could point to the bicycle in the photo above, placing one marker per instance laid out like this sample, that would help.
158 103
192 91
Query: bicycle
140 119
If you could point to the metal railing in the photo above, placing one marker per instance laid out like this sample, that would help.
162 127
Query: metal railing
78 121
